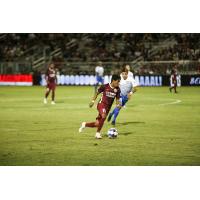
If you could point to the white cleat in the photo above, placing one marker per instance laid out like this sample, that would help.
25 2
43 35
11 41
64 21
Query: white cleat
82 127
53 103
98 136
45 101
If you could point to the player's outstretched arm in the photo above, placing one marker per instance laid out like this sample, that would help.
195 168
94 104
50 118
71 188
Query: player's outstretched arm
93 100
135 89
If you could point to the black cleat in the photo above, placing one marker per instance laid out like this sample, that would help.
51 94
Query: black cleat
113 123
109 117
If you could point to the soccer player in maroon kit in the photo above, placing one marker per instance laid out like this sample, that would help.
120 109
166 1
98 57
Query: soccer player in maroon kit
51 80
109 92
173 81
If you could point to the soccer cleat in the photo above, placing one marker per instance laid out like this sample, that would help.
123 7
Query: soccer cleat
82 127
45 101
98 135
113 123
53 102
109 117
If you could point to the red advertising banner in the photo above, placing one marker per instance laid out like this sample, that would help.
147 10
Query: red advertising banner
25 79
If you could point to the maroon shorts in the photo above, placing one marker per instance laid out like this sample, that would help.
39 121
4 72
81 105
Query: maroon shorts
51 86
102 110
175 83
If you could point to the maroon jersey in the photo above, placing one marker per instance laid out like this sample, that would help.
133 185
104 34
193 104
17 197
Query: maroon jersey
108 95
174 79
51 75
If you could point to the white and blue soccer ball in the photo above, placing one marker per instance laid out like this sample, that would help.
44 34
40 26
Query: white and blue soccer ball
112 133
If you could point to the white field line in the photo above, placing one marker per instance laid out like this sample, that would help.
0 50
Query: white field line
174 102
38 99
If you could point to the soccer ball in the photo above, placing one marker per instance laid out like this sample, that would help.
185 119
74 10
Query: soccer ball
112 133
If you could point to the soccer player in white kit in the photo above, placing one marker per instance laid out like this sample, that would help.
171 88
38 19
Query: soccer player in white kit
99 71
130 76
127 87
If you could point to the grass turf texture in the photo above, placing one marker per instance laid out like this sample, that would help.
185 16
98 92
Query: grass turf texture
152 131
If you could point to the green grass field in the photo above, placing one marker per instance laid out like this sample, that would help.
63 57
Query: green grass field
157 128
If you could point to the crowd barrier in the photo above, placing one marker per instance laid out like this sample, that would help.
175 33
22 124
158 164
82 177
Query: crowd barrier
146 80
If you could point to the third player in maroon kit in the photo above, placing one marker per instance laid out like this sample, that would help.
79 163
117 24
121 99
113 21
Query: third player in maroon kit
109 92
51 83
173 81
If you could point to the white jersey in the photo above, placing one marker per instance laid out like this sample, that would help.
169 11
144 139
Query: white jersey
126 86
130 77
99 70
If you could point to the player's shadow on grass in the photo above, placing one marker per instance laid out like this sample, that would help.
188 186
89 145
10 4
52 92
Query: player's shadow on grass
127 123
126 133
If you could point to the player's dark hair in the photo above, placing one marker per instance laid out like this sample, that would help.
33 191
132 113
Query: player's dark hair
124 65
115 77
124 69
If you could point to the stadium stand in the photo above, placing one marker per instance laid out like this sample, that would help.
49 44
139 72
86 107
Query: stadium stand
77 53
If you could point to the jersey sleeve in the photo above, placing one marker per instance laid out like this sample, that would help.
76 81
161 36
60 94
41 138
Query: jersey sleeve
101 89
134 84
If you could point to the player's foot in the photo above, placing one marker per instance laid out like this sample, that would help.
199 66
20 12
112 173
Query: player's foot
45 101
98 135
82 127
53 102
113 123
109 117
170 89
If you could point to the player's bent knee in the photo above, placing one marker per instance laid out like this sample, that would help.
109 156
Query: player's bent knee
97 123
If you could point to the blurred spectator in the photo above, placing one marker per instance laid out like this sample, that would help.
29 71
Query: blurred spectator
119 47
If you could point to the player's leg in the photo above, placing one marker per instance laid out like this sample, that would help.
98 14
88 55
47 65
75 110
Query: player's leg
116 113
101 118
171 87
89 124
46 94
110 115
175 86
53 94
124 100
92 124
100 125
115 110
